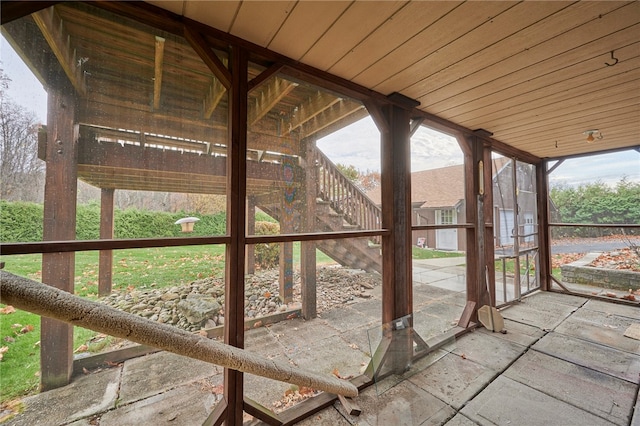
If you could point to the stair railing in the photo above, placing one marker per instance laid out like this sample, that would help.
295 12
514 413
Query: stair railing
344 196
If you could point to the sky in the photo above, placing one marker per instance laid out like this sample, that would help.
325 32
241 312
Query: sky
359 144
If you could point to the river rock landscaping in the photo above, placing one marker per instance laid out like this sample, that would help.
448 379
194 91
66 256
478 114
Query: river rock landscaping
200 304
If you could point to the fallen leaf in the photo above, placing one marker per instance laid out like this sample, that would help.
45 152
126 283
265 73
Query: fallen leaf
81 348
257 324
7 310
85 371
9 339
26 329
3 350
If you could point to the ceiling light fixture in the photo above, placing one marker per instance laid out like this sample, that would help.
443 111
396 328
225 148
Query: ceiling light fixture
593 135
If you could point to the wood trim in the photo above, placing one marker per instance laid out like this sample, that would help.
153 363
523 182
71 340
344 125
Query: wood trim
261 78
202 48
91 245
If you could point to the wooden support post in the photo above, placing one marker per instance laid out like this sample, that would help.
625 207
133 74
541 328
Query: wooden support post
250 260
308 248
58 269
105 267
235 253
394 124
472 149
289 198
487 220
544 239
286 271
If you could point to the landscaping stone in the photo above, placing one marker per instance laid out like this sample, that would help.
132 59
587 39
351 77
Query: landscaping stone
201 303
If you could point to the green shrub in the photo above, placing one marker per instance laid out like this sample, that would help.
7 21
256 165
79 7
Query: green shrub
267 255
20 221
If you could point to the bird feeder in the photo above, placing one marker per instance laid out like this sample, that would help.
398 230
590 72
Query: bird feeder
187 223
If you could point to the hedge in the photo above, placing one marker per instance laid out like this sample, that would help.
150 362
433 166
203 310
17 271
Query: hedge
22 222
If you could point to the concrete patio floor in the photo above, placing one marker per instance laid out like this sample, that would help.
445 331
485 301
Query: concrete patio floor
563 361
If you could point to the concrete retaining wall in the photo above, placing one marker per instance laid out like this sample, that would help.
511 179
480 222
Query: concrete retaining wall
579 273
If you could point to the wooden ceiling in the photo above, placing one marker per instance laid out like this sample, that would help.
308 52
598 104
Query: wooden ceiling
535 74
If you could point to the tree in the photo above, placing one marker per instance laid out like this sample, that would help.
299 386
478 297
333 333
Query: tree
598 203
21 172
366 180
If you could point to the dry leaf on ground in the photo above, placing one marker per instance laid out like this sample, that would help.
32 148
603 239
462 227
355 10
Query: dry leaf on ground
7 310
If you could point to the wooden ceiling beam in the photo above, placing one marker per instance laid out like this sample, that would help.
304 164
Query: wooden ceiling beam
268 97
59 41
157 78
326 118
213 97
207 55
262 78
308 110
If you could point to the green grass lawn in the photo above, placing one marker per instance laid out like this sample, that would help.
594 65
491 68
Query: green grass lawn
419 253
137 268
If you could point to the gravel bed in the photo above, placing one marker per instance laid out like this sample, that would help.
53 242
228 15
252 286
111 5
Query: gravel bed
200 304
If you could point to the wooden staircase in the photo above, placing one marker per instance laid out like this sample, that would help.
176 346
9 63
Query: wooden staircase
340 206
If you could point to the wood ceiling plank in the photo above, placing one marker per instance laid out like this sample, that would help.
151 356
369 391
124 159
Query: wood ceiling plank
605 106
551 70
455 24
484 56
270 14
546 96
490 99
216 14
443 85
490 32
307 22
397 30
616 115
353 26
611 130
